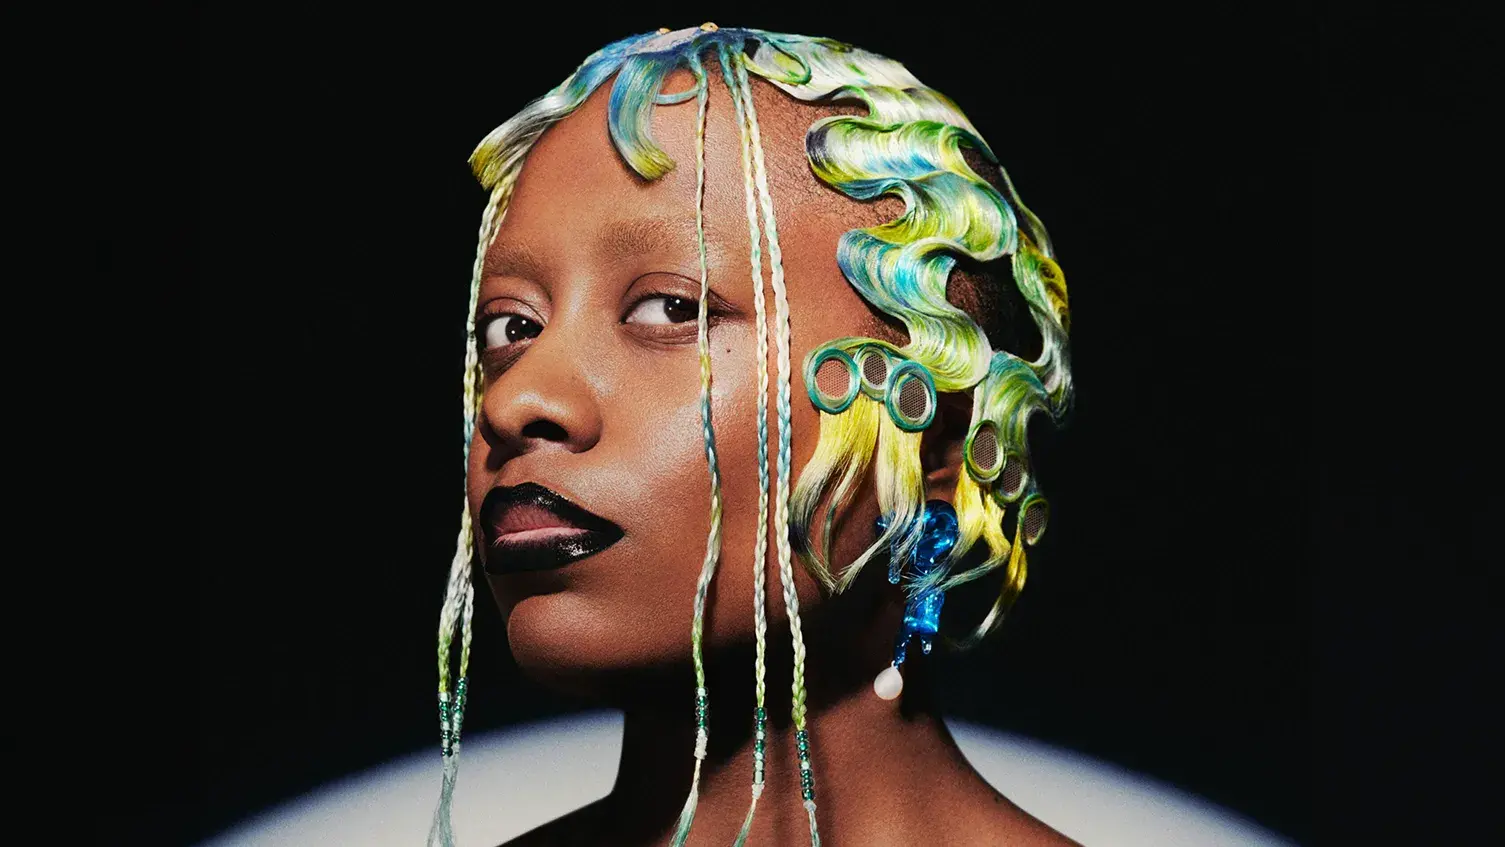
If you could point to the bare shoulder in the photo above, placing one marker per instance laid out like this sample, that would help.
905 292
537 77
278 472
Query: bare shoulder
1025 830
576 829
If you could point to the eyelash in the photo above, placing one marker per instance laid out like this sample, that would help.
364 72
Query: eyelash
713 315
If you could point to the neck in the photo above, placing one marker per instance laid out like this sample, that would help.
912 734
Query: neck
869 757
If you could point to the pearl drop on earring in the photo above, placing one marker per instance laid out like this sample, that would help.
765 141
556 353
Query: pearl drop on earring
922 611
889 684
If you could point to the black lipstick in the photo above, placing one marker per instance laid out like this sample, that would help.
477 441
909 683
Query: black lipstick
527 527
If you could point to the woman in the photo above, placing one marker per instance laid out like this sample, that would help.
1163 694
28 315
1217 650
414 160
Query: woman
757 289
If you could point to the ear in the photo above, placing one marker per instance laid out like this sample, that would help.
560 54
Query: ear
942 444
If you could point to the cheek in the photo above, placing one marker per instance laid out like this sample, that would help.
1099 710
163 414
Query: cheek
654 456
649 473
731 616
630 605
477 481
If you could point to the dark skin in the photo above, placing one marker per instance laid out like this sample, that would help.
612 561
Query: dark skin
588 305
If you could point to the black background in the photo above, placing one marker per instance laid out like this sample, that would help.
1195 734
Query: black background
1203 176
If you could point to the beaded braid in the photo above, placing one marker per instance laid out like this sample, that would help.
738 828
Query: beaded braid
760 548
459 597
713 539
497 163
781 504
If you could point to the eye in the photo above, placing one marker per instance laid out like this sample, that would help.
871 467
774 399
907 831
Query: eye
505 329
664 309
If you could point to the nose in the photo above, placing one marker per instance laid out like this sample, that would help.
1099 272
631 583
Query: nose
544 401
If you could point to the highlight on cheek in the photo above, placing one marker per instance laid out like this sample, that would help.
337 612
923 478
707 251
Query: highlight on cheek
874 399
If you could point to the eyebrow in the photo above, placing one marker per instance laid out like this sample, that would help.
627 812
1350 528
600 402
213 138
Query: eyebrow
639 235
508 259
618 240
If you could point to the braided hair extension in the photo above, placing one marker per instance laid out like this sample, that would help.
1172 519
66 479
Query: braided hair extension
760 546
459 594
781 503
713 539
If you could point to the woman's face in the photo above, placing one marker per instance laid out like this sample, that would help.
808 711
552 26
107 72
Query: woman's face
587 320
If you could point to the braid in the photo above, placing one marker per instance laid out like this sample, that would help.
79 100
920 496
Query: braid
713 540
459 569
760 549
450 610
781 505
459 593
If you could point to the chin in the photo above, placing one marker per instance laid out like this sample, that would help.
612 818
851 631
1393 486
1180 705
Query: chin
569 644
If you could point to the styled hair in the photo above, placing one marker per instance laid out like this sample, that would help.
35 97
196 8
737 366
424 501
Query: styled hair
875 396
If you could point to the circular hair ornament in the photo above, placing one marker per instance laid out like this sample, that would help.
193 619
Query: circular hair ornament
983 457
1034 514
1011 480
874 368
831 380
911 396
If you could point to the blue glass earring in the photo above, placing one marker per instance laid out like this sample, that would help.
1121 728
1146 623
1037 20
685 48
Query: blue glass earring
922 611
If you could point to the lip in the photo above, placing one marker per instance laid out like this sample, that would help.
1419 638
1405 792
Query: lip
528 527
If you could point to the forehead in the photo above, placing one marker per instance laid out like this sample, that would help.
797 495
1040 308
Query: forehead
574 182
